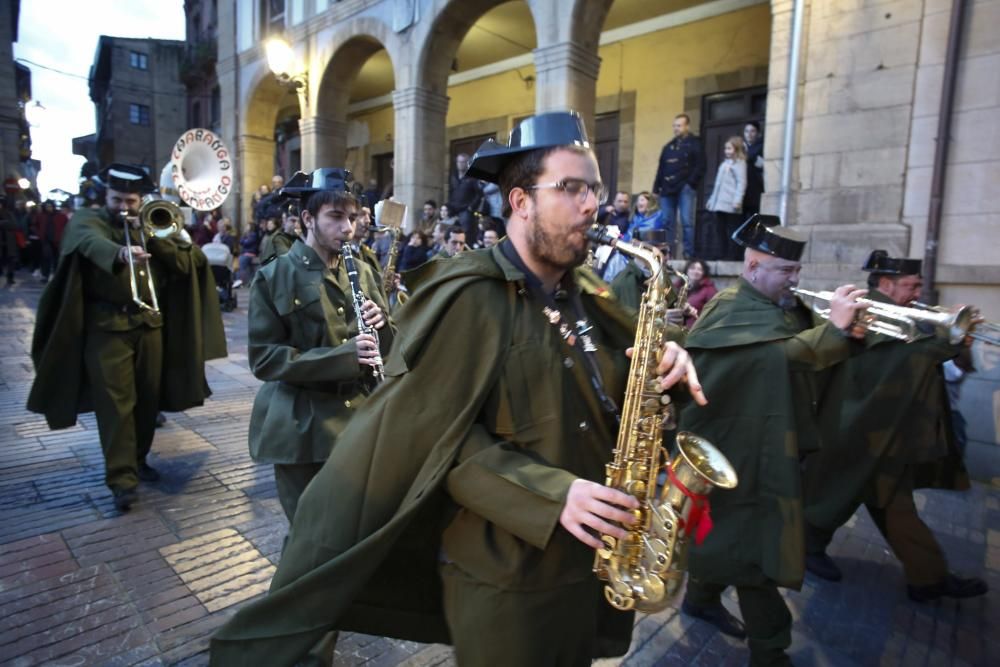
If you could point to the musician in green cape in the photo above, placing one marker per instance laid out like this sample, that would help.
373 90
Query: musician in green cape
461 507
95 348
889 432
758 349
304 341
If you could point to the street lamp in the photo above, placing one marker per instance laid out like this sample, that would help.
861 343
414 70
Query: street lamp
281 62
23 183
35 113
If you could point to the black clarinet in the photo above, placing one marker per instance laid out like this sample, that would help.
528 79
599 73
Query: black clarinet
358 298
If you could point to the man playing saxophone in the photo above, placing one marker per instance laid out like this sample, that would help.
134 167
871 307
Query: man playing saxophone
124 329
759 349
304 341
888 419
471 518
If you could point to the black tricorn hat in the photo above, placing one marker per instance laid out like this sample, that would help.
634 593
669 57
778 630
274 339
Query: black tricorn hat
126 178
546 130
302 185
879 262
765 234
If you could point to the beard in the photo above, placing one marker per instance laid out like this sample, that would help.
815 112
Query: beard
556 248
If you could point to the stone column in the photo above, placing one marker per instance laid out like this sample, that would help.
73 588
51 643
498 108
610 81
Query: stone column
324 142
257 154
566 78
420 147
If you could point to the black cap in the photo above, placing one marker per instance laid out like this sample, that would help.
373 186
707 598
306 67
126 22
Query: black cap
765 234
126 178
302 185
880 263
557 128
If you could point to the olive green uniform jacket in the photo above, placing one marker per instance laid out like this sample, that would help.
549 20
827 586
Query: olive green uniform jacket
276 243
629 287
757 364
302 330
465 453
191 320
884 410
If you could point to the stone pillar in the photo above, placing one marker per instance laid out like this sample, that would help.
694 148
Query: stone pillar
420 147
324 142
257 154
566 78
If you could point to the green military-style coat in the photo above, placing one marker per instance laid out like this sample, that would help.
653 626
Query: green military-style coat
471 464
629 286
885 410
87 292
758 365
276 243
302 330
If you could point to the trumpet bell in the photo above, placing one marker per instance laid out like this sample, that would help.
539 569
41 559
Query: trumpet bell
160 217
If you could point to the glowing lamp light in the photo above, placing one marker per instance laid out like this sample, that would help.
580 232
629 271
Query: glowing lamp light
280 57
23 183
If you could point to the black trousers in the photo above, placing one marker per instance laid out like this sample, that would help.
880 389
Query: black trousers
766 617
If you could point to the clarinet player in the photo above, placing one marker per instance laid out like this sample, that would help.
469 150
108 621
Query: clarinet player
304 341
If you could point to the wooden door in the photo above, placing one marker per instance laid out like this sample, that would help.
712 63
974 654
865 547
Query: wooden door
724 115
606 148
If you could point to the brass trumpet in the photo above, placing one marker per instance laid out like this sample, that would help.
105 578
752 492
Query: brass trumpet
159 218
903 322
987 332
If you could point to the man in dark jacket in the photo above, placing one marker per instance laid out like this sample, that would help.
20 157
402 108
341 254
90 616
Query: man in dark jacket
755 168
760 349
97 345
467 518
681 168
465 195
890 433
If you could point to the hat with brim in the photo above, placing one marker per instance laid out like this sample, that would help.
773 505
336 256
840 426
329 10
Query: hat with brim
764 233
547 130
126 178
302 185
880 263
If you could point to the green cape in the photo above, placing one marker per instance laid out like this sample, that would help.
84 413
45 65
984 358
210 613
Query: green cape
757 365
192 332
363 552
883 411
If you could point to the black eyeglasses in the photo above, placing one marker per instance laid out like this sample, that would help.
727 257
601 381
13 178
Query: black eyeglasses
575 187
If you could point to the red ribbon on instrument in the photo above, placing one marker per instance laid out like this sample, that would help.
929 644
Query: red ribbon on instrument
700 519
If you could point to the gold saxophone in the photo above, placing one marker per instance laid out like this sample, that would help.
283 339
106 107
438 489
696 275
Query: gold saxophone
646 568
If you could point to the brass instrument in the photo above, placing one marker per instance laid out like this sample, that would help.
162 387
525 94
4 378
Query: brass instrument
987 332
389 272
358 299
903 322
646 569
156 217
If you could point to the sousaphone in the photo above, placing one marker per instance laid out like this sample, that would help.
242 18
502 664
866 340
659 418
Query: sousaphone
202 169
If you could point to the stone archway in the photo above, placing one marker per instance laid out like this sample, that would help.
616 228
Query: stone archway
340 59
265 99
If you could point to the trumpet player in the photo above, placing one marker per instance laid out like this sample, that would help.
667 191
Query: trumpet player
463 505
124 329
759 351
304 341
888 422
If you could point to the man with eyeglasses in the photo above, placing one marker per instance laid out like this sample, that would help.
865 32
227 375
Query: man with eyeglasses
471 517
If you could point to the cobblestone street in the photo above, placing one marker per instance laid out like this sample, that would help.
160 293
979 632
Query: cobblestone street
81 584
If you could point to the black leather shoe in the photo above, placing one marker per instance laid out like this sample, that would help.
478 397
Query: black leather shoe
823 567
718 616
125 498
952 587
147 473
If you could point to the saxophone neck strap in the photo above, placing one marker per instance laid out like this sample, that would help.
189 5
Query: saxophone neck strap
700 518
